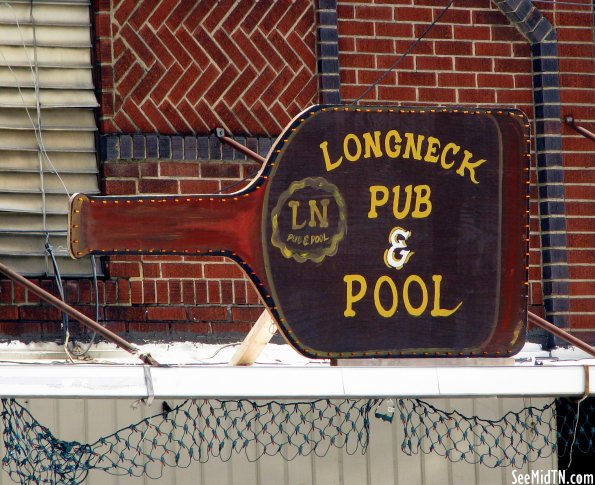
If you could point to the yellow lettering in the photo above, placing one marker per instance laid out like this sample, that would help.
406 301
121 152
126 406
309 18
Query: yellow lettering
437 311
396 198
413 311
450 147
471 166
294 204
376 144
393 289
327 159
390 151
372 144
433 145
375 201
315 212
412 147
422 196
352 298
352 157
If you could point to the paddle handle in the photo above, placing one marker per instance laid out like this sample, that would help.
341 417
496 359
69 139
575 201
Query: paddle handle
173 224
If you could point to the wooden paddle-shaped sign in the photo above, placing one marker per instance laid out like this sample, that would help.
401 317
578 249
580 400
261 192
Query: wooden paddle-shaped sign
369 231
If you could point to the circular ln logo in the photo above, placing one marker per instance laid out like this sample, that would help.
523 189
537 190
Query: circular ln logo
309 220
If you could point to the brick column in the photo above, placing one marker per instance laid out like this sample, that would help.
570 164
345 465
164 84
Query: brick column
328 52
541 35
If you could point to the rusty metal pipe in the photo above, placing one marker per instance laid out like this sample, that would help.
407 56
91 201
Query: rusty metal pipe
239 147
583 131
558 332
74 313
579 129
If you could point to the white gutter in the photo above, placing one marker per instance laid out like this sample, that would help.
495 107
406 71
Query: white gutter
179 382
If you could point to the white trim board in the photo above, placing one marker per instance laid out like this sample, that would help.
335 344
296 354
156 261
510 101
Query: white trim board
178 382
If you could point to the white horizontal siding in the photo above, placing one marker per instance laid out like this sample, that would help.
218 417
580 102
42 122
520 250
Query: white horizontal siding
383 464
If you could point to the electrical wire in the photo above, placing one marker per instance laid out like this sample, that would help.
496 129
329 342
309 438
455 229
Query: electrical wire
80 351
200 363
55 232
247 178
42 151
425 32
58 280
578 4
33 66
69 346
44 158
35 76
578 412
405 54
202 360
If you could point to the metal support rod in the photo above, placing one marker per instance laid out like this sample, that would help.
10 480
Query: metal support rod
74 313
238 146
579 129
558 332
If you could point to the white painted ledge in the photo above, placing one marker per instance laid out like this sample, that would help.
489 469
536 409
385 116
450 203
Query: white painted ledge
296 382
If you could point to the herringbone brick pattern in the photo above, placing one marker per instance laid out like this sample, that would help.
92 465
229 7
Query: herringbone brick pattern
186 66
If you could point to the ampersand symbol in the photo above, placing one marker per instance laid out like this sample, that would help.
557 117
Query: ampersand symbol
397 238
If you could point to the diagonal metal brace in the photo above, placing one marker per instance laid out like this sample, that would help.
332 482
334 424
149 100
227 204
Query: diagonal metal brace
74 313
220 132
558 332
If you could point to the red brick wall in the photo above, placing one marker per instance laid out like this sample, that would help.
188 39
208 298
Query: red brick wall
189 66
576 32
185 67
471 57
177 296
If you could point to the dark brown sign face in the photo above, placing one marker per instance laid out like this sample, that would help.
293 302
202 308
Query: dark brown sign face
369 232
399 232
